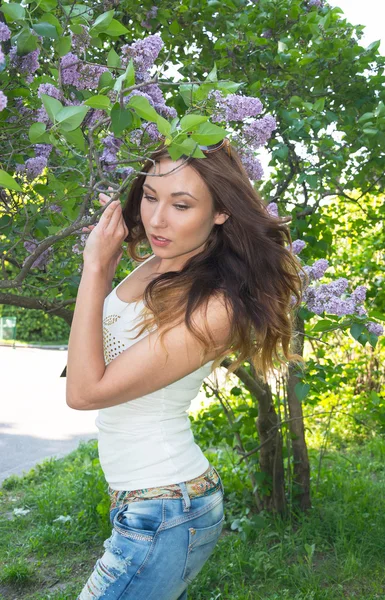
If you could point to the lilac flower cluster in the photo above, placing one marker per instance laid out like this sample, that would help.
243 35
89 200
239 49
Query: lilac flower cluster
80 74
3 100
45 257
317 3
33 167
111 147
151 14
272 208
155 93
326 297
150 129
233 107
54 208
27 64
259 131
268 33
5 32
81 41
43 150
143 53
251 163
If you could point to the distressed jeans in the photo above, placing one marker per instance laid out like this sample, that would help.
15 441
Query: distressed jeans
157 547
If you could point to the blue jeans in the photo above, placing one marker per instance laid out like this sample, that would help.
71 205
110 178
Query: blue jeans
157 547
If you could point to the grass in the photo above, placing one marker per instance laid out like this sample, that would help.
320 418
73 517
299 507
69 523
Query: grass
334 552
34 344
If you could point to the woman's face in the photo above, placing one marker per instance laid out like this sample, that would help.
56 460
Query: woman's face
179 207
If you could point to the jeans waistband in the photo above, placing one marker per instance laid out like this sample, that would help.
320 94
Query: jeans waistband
203 485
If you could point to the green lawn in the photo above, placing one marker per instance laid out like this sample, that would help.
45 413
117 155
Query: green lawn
335 552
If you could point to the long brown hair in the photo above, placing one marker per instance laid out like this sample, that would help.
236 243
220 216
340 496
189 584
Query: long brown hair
245 261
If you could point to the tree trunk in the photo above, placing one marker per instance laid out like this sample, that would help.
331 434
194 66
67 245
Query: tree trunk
301 467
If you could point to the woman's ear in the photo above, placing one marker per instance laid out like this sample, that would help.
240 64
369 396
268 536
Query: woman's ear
221 218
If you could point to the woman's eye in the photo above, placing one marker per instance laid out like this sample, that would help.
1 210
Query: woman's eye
178 206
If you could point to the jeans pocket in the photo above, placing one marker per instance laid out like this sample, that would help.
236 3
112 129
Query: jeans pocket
201 544
138 520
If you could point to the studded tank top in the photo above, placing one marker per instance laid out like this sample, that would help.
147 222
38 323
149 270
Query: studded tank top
146 442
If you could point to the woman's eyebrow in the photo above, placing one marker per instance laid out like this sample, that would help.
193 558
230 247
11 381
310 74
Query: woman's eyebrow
174 193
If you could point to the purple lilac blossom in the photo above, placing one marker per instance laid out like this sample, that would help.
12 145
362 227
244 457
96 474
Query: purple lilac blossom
111 147
26 64
126 171
272 208
267 33
3 100
2 57
316 3
49 90
359 294
81 75
233 107
154 91
43 149
33 167
81 41
375 328
54 208
143 52
42 260
298 246
5 32
259 131
137 135
250 163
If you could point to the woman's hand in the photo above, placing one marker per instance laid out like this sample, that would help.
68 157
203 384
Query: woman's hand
103 248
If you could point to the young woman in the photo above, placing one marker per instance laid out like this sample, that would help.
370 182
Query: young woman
219 279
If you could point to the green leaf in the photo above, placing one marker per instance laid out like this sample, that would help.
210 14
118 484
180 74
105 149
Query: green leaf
296 101
319 105
8 181
365 117
128 77
101 102
130 74
212 76
13 10
75 138
208 133
26 42
70 117
113 59
322 325
229 86
115 29
370 131
51 105
190 122
120 119
163 125
102 22
64 45
356 330
187 91
48 5
301 390
36 131
143 108
186 148
174 27
46 30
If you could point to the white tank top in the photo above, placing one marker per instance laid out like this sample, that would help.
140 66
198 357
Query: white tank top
146 442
